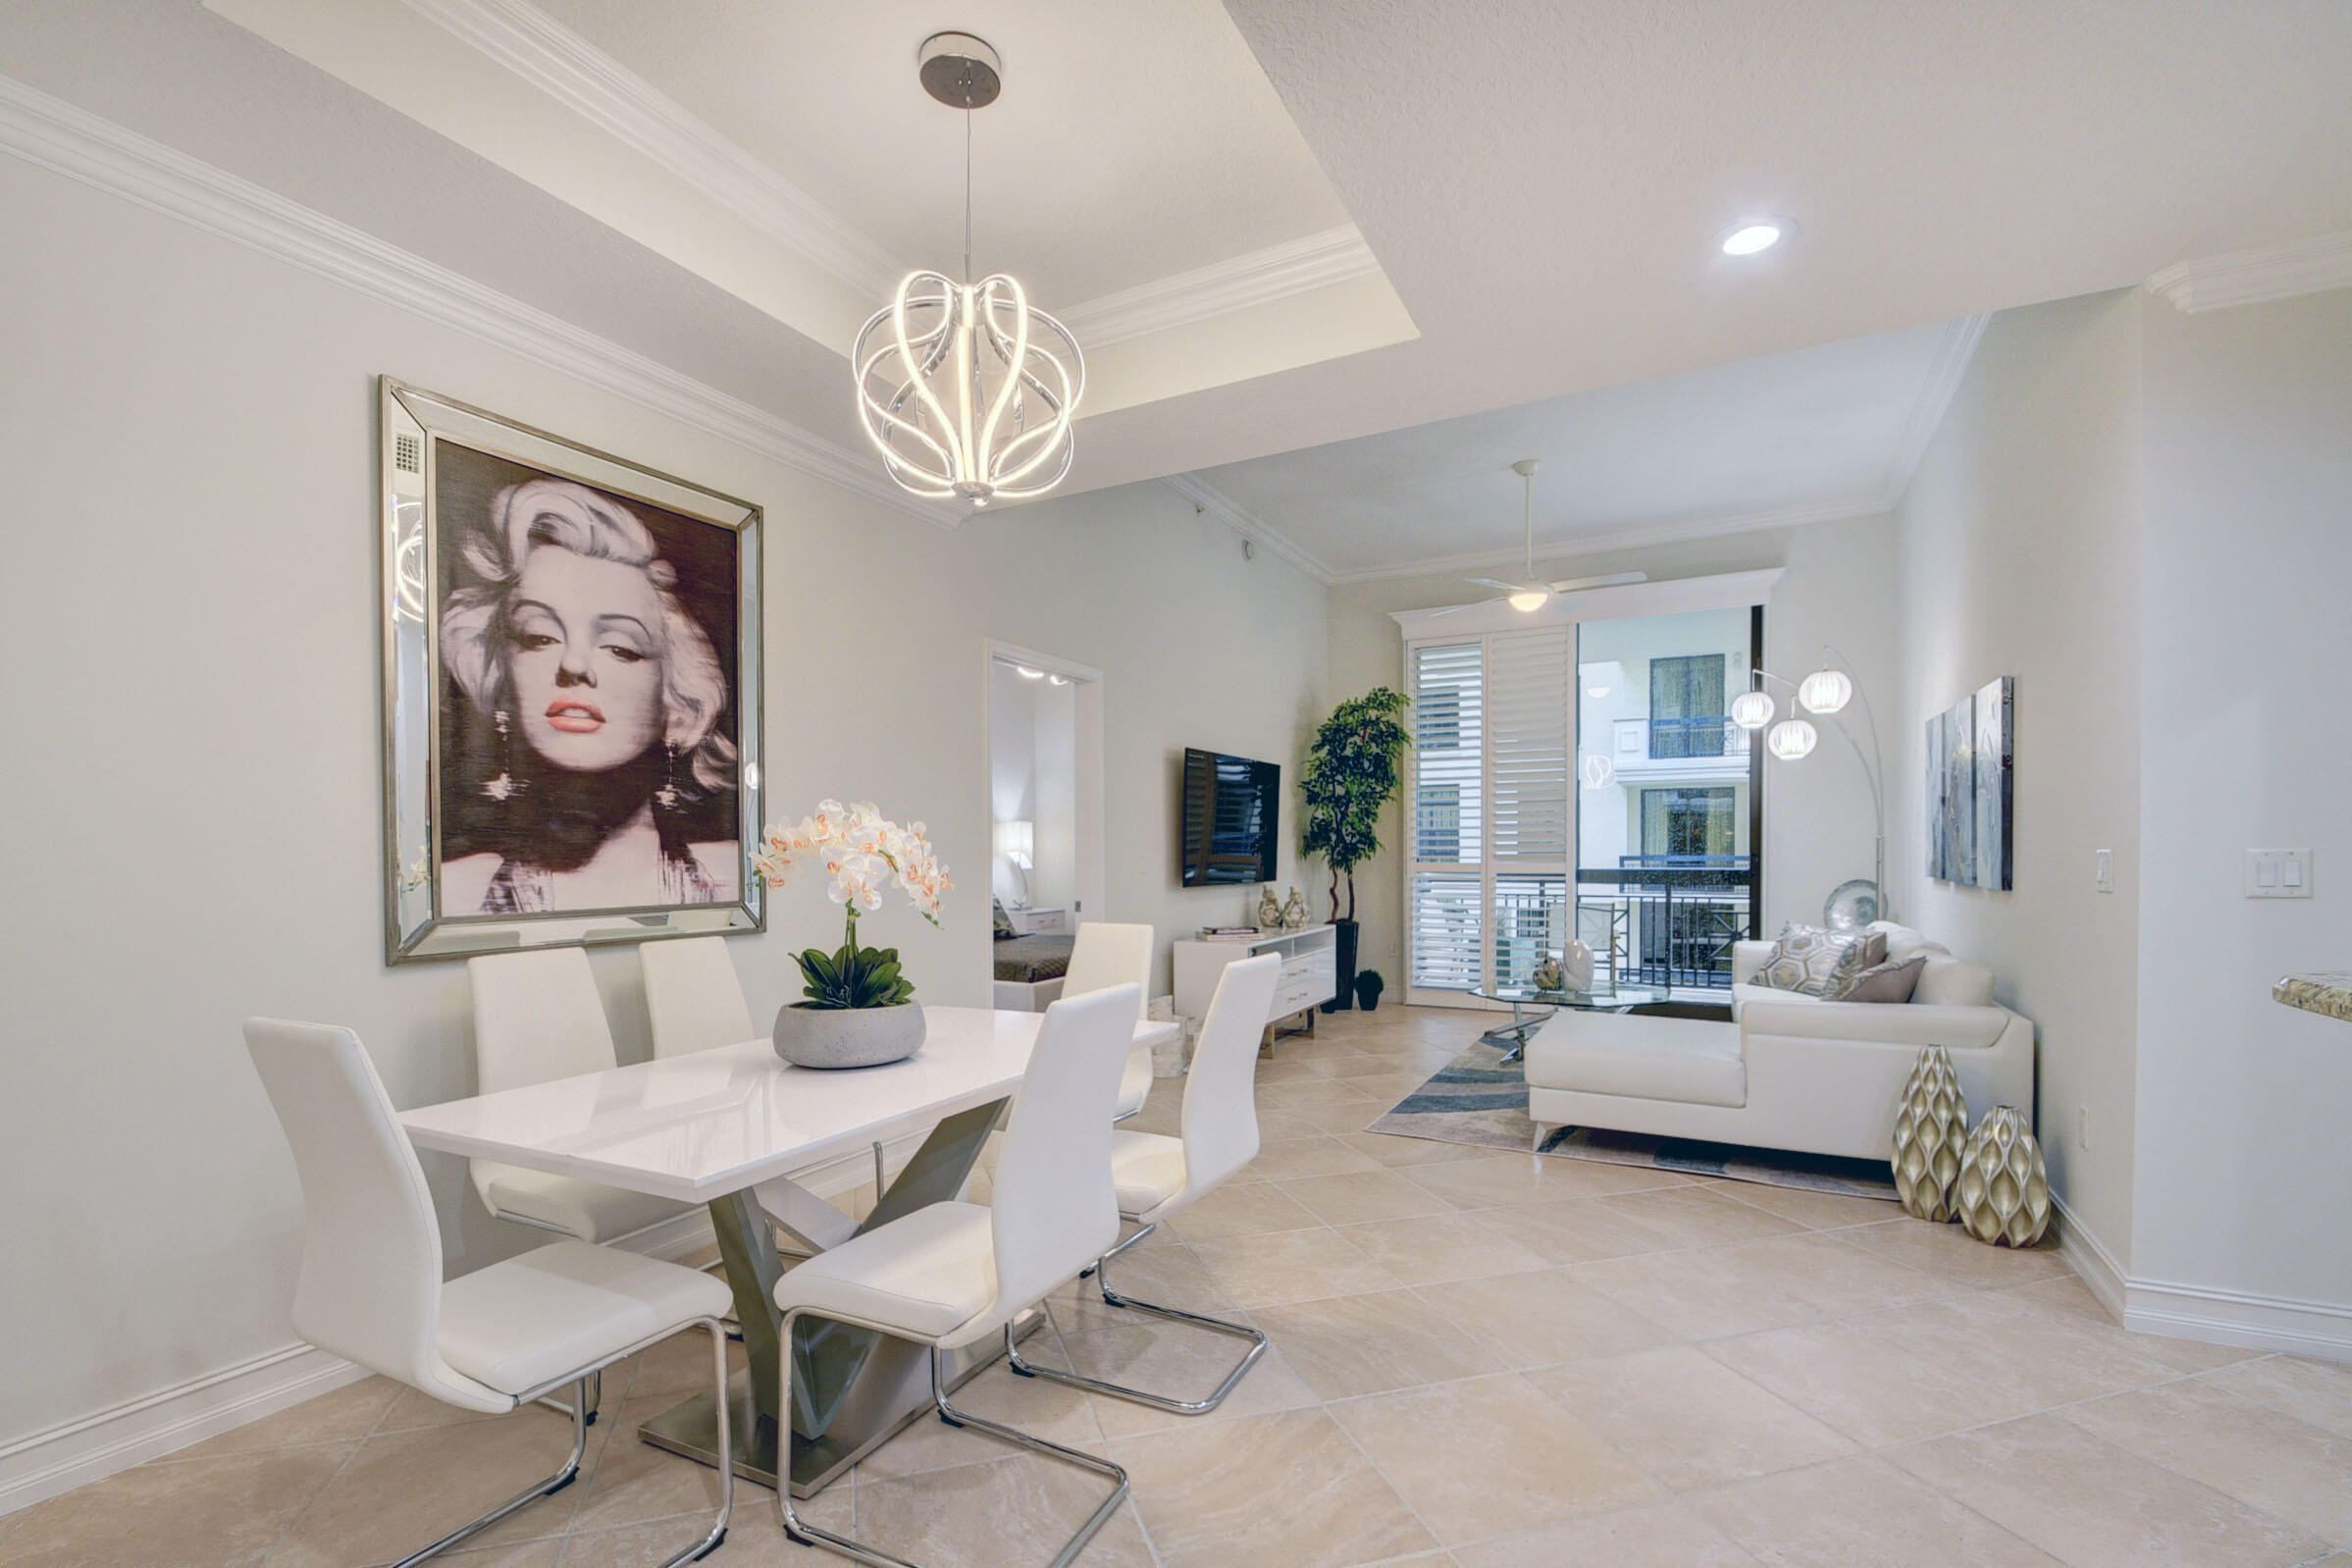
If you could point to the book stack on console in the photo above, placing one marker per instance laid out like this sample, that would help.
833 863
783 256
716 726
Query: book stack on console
1229 933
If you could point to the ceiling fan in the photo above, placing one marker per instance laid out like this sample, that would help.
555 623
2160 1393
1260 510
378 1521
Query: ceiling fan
1527 596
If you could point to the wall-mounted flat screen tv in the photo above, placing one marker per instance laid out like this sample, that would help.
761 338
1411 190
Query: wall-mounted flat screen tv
1233 807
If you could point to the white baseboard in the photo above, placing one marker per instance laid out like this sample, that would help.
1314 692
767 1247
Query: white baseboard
76 1452
2317 1329
87 1448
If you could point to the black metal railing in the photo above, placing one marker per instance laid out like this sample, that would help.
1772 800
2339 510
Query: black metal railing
1678 919
1688 737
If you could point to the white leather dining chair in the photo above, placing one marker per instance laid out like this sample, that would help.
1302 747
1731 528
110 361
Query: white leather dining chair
1106 955
1157 1175
371 1289
950 1274
537 1016
693 995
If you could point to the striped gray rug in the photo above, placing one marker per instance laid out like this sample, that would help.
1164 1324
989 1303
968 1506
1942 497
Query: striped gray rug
1478 1098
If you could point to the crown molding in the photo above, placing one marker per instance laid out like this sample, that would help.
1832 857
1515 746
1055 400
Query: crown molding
1207 497
59 137
1262 277
593 85
1563 549
2252 276
1954 351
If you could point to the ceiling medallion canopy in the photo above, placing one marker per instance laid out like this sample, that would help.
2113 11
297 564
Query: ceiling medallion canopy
964 387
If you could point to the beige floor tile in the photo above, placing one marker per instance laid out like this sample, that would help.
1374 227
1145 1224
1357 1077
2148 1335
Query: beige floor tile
1396 1150
1165 1273
1363 1195
1306 1094
404 1489
1274 1126
1657 1535
1707 1292
1816 1211
1698 1215
1688 1421
1859 1513
678 1365
1575 1231
1951 1252
1489 1456
1288 1266
1052 1410
1248 1209
755 1536
2317 1391
1390 1086
1284 1490
1342 1347
2091 1505
1521 1178
343 1415
1017 1509
1339 1118
546 1553
229 1509
1181 1362
1291 1159
1430 1249
2285 1467
412 1411
1544 1316
2069 1295
1918 1372
633 1480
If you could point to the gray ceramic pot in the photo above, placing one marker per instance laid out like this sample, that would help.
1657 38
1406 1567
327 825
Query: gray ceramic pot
848 1037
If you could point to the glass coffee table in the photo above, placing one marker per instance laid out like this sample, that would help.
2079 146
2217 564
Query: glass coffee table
1624 996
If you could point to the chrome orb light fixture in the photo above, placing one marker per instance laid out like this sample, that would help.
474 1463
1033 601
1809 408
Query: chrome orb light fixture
965 389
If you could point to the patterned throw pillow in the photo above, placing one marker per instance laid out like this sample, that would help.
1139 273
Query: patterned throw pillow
1886 982
1004 921
1812 962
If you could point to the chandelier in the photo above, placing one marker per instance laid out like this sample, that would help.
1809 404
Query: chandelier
964 387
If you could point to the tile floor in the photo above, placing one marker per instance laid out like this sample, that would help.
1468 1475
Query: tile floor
1480 1359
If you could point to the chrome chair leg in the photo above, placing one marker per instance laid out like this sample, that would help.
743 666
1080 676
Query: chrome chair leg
548 1487
1142 1396
593 1385
802 1532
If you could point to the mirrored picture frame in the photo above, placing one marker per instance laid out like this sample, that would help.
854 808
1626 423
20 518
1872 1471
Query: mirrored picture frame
571 690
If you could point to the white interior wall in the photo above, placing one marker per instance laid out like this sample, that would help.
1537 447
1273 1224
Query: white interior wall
1012 774
189 430
2017 546
1055 743
1836 588
2242 1184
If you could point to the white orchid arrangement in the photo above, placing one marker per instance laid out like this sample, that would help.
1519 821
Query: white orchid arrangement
861 851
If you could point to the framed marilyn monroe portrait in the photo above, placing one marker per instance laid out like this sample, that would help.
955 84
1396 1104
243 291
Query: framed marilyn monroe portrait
571 702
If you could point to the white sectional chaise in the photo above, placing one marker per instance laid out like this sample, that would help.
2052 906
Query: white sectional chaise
1788 1071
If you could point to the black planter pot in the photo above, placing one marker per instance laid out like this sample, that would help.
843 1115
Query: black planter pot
1345 1001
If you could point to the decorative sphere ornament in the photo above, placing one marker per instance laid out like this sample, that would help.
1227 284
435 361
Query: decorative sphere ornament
1931 1125
2003 1192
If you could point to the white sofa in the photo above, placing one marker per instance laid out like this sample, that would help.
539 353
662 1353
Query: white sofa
1789 1071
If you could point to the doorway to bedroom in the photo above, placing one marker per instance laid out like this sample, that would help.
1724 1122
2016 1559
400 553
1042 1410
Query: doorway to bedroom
1045 816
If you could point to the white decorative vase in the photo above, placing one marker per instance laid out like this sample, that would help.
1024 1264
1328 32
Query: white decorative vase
847 1037
1576 965
2004 1193
1931 1123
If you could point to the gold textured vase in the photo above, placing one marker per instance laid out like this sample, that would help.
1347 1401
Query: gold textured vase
2003 1192
1931 1123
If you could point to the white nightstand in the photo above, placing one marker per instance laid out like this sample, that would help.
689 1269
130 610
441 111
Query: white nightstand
1050 920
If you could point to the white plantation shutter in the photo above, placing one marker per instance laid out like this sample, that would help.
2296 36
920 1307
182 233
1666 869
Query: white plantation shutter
1531 749
1448 735
1445 934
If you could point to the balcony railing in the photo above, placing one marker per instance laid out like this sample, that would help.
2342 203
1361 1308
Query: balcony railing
1688 737
1673 919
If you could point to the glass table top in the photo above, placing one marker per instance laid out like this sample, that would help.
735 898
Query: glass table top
1624 994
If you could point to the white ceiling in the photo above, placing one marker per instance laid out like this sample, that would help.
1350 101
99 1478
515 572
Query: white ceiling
1458 208
1795 437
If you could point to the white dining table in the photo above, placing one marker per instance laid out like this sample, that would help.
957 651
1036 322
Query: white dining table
732 1128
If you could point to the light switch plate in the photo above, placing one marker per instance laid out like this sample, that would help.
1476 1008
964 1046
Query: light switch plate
2107 870
2278 873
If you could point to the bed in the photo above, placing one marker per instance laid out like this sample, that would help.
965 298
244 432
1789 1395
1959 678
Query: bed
1030 971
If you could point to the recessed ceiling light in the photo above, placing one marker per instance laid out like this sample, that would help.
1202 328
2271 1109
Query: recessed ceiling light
1755 236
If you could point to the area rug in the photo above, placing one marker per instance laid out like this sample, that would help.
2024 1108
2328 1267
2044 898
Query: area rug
1481 1099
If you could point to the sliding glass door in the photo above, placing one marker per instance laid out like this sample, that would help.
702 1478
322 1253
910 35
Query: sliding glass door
1581 779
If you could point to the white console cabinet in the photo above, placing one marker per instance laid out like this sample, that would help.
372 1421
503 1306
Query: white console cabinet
1052 920
1310 970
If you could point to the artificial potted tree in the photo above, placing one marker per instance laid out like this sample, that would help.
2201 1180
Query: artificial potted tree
1353 771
